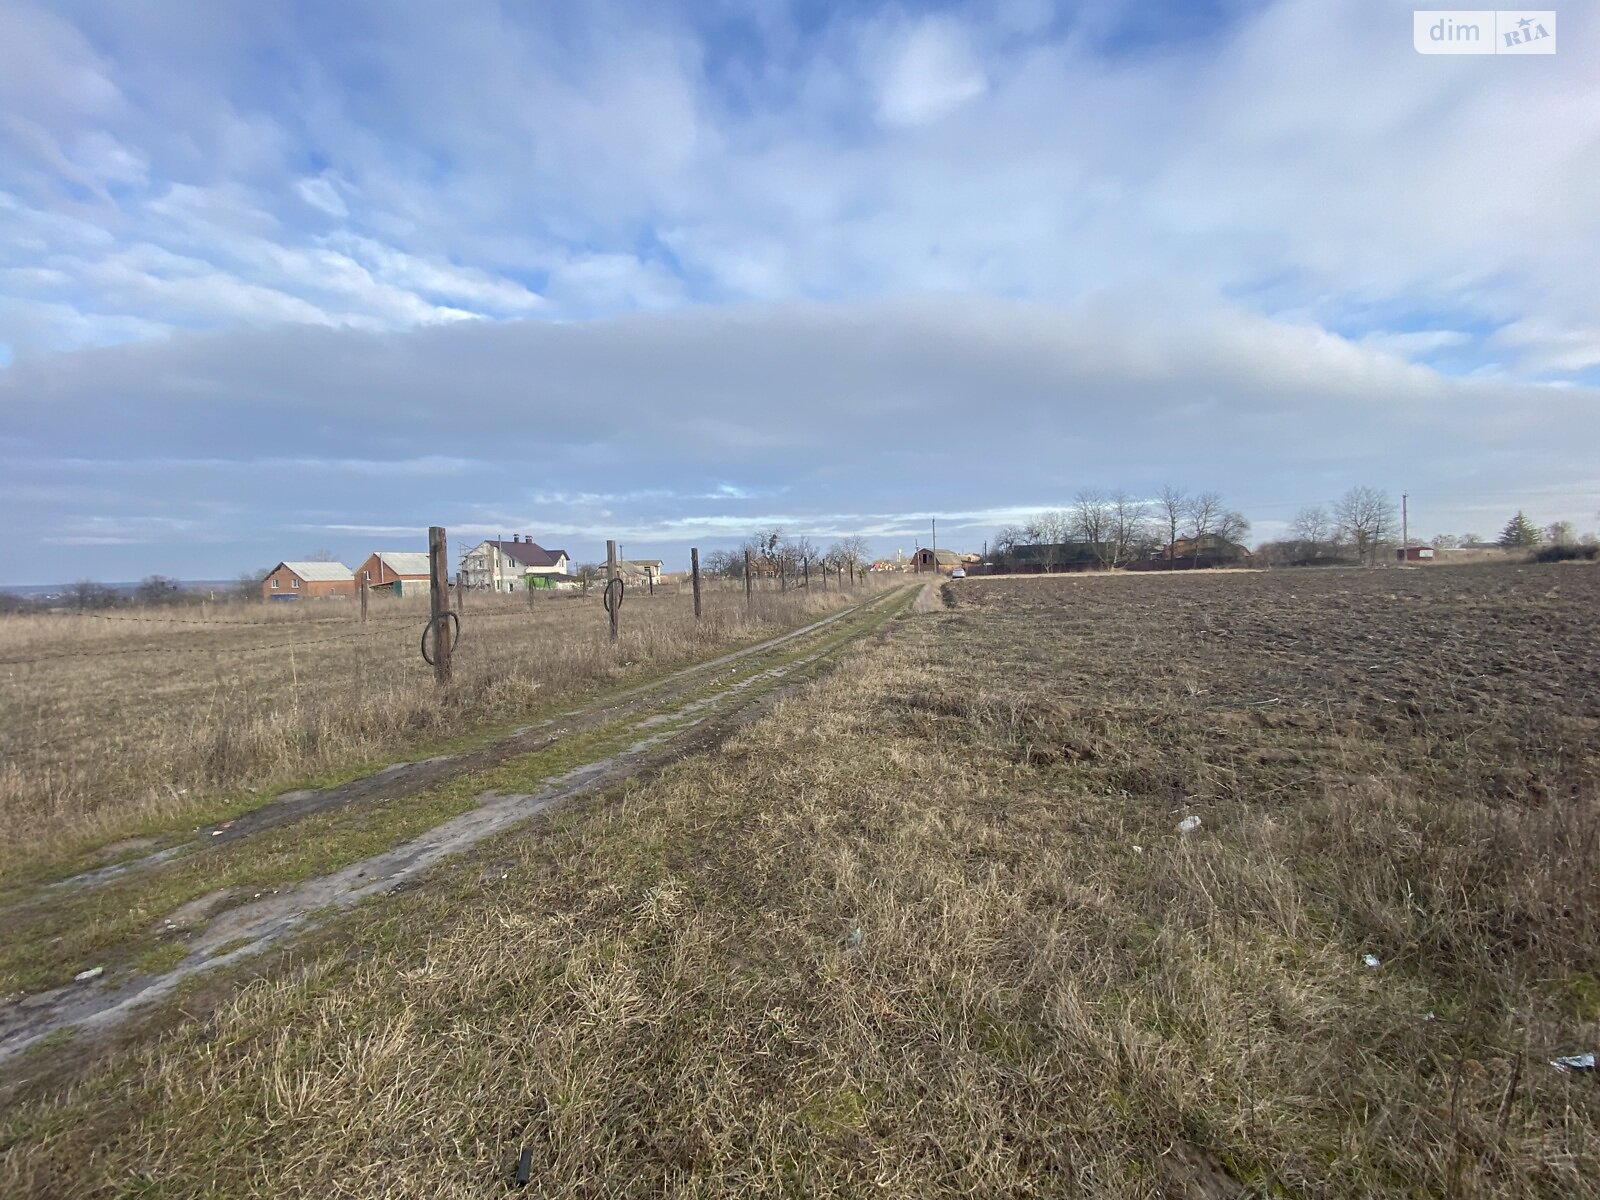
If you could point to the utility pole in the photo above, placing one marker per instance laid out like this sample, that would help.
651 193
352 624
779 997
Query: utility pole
749 583
1405 526
934 545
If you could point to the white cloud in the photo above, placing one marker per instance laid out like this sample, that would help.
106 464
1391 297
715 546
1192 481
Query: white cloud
931 71
323 196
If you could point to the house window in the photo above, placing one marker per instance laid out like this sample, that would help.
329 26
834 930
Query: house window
366 574
274 585
294 583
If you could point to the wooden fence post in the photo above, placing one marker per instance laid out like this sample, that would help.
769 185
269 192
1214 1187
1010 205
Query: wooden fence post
749 582
439 602
611 589
461 594
694 571
363 599
806 567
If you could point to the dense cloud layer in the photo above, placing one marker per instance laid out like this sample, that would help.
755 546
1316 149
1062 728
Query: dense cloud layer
705 422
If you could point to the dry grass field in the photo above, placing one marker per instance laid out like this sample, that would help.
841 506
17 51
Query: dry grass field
111 724
930 928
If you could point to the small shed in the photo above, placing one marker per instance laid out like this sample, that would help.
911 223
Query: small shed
1413 553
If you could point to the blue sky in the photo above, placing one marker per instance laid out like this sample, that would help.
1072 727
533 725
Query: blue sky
277 278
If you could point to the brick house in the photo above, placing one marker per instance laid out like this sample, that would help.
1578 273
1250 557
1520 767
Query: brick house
292 580
393 570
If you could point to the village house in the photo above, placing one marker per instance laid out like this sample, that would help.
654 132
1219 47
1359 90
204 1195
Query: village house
1209 549
943 561
646 570
293 580
498 565
400 572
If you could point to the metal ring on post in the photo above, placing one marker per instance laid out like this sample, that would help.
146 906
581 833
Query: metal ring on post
455 634
605 596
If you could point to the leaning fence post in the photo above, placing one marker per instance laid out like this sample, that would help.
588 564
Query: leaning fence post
363 599
439 602
748 582
611 586
694 571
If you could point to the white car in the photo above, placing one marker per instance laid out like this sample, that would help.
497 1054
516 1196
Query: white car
958 573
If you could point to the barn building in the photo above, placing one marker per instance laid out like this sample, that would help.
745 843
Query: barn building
399 571
943 561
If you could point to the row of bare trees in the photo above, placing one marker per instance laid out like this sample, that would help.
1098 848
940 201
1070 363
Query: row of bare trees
775 552
1359 524
1116 528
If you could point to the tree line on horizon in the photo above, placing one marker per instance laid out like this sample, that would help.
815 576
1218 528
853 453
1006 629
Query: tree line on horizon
1118 528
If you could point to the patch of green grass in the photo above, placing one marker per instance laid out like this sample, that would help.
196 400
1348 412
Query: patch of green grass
230 946
158 960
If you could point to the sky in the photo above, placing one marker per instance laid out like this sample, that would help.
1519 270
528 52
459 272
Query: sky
277 279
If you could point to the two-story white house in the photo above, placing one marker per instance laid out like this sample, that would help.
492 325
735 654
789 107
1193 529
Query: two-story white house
501 566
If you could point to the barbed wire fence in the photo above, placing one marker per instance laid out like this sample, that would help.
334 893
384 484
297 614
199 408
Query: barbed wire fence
186 637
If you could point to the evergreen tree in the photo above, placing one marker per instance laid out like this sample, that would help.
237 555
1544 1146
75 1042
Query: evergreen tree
1519 533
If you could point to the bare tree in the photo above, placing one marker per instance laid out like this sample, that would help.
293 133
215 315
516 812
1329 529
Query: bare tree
1130 526
87 594
1445 541
800 551
157 589
1366 516
1204 512
586 574
725 564
1171 506
850 551
1050 531
1091 522
1560 533
1232 526
1006 542
1314 527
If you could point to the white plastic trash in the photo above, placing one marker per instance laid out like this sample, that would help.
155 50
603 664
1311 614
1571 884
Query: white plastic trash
1371 960
1571 1063
1188 824
91 973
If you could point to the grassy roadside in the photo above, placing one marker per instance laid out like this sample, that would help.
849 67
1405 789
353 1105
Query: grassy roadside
912 936
120 924
460 723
